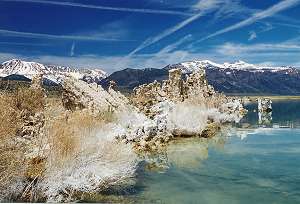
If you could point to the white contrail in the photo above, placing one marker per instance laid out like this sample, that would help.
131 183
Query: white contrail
255 17
173 46
206 7
287 25
56 37
203 6
165 33
26 44
150 41
153 11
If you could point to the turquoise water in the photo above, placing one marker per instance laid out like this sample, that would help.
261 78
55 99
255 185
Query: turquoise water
250 162
257 164
262 168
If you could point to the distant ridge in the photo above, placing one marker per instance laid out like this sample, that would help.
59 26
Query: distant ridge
15 77
129 78
231 78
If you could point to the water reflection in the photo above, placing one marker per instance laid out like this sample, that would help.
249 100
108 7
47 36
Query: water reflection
285 114
254 161
264 118
190 153
183 153
249 162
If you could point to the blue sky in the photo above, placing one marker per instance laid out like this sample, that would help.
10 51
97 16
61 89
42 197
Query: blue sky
115 34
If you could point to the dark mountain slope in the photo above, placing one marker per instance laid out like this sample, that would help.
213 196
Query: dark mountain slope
129 78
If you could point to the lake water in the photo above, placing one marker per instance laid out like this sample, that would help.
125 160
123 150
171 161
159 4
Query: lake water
253 162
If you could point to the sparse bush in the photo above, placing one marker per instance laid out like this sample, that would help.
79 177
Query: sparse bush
15 107
11 154
8 117
66 133
27 99
84 156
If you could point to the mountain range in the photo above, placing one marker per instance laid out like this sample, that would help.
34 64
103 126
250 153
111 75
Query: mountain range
16 69
231 78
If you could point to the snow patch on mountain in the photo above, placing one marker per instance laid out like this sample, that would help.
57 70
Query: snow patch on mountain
19 67
190 66
51 72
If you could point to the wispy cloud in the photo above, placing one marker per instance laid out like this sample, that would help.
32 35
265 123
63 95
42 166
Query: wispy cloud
252 35
206 4
168 52
235 49
72 4
255 17
232 8
26 44
297 26
119 29
55 37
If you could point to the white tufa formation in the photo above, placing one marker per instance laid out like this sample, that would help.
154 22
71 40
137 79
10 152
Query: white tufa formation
185 107
79 94
264 111
177 107
264 105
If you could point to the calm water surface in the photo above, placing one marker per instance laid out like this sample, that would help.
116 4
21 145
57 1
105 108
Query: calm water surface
249 163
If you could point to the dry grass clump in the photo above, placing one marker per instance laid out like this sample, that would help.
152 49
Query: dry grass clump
77 148
83 154
8 117
11 154
28 99
14 107
67 133
12 168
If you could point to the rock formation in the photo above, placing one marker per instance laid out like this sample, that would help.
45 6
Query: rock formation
264 105
264 111
179 106
78 94
184 105
176 89
265 118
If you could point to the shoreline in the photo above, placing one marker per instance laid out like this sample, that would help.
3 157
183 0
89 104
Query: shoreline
272 97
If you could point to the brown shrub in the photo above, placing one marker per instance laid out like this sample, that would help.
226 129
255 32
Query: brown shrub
67 132
11 154
28 99
8 117
13 107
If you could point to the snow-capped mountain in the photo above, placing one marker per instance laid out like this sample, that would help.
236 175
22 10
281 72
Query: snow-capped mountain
19 67
51 72
189 66
236 78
